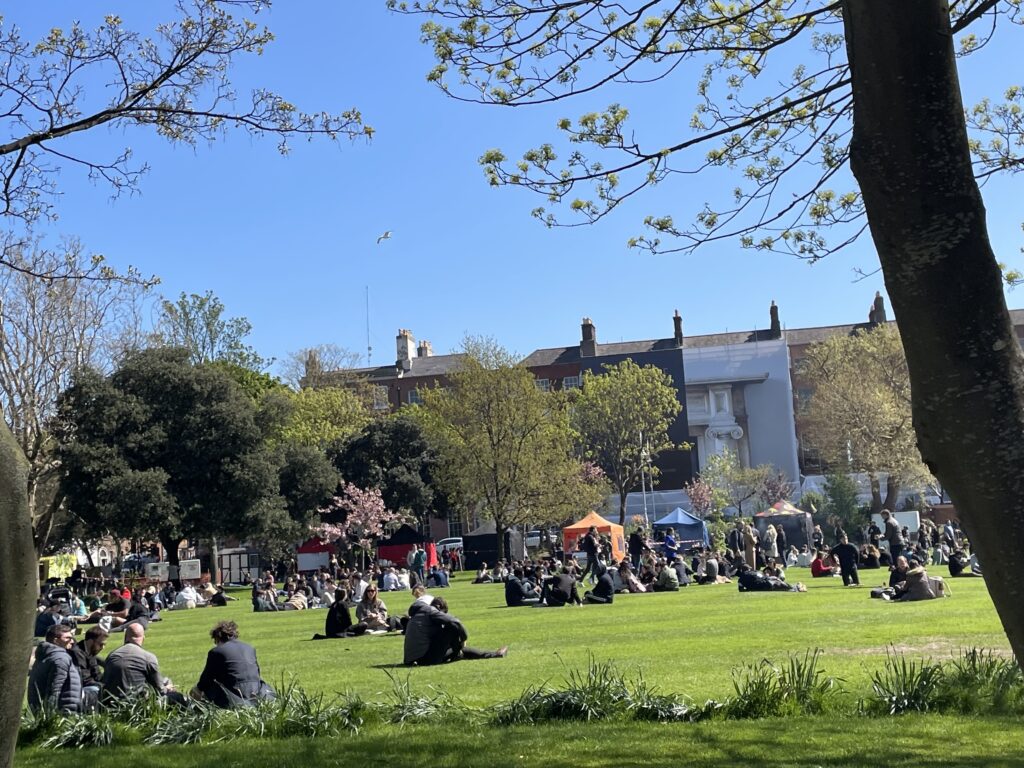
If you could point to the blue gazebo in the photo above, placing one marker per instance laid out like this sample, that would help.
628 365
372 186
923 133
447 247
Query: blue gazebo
689 530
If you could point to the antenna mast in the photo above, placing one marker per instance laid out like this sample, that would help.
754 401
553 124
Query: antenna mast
369 349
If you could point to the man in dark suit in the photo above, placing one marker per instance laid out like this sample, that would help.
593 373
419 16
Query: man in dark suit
232 674
433 636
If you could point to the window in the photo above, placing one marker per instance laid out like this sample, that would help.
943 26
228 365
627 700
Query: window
544 385
414 397
380 398
454 527
571 382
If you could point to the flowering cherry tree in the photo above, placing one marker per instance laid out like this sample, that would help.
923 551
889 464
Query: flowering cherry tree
702 497
365 516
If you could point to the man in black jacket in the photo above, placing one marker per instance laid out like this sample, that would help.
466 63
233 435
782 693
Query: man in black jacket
432 636
847 555
604 590
892 535
590 545
518 593
559 590
86 657
231 677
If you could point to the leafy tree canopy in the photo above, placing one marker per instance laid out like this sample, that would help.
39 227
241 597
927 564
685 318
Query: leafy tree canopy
163 448
622 417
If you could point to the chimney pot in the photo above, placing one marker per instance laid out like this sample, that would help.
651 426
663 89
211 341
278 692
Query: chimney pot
588 338
774 326
677 334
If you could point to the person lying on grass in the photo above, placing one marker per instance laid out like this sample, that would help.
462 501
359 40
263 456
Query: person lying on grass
752 581
433 636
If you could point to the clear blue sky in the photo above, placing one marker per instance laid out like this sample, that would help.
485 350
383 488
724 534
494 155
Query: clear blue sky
290 242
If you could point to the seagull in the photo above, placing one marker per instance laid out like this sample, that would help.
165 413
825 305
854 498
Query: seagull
385 236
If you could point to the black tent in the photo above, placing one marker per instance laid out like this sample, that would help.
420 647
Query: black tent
798 524
481 545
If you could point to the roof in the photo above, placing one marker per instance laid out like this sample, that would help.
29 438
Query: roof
432 365
592 519
570 355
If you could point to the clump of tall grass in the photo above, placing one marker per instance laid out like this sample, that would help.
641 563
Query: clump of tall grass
905 685
978 681
407 706
798 686
598 693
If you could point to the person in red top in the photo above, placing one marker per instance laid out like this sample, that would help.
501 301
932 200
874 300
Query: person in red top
821 565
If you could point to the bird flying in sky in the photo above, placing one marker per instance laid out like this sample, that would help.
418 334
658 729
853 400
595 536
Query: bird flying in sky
385 236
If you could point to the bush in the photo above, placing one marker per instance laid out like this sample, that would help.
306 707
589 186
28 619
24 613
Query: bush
979 681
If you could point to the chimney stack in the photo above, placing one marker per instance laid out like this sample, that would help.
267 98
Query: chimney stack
677 335
424 349
877 314
405 343
774 326
588 339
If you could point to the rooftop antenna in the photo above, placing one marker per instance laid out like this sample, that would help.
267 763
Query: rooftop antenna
369 349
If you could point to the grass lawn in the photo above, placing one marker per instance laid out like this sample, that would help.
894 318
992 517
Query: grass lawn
686 642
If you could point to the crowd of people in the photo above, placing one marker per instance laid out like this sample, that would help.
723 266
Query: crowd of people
68 675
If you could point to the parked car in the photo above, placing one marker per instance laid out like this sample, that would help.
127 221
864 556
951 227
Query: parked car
446 545
536 537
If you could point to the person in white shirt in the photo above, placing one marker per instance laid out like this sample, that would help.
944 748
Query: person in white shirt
391 583
356 588
188 598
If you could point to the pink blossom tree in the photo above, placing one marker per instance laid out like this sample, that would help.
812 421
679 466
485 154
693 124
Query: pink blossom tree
365 517
702 497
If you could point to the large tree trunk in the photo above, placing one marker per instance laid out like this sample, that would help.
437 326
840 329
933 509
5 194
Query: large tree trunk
892 492
623 493
501 529
910 155
876 493
18 589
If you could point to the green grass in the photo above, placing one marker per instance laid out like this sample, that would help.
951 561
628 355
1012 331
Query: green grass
912 742
687 642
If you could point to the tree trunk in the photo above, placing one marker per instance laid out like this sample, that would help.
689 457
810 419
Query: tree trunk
622 507
18 589
910 155
214 554
892 492
876 494
501 529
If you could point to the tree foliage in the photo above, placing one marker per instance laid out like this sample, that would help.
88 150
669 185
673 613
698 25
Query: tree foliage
320 418
780 130
505 446
197 323
167 449
394 456
623 416
49 329
734 484
859 415
364 515
175 82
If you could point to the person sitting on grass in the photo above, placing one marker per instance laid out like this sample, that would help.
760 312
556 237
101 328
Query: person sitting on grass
339 620
372 612
130 671
773 569
898 574
86 654
438 578
55 684
433 636
560 589
821 565
220 597
519 592
630 582
960 564
919 586
667 580
231 677
869 557
116 611
604 591
483 576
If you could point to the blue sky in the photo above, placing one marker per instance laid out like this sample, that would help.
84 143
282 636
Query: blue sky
290 242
